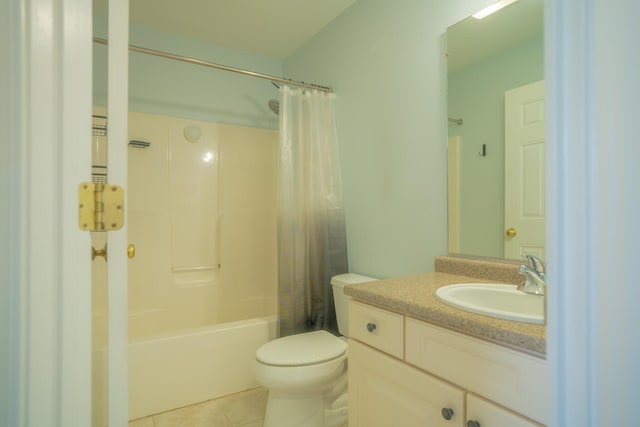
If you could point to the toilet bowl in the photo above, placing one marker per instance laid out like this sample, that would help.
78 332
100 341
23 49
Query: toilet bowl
306 374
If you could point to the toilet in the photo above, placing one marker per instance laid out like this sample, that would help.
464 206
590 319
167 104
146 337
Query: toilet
306 374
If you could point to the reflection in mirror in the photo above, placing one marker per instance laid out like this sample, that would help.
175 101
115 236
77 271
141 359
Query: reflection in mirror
486 59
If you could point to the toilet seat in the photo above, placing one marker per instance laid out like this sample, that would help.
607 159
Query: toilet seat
305 349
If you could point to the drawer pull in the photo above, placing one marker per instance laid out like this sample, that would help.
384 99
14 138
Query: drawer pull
371 327
473 423
447 413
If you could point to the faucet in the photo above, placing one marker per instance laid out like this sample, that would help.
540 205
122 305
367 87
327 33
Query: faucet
533 273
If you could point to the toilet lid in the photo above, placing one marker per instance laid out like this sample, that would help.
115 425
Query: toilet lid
301 349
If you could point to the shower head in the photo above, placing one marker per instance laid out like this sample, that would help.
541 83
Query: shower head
274 105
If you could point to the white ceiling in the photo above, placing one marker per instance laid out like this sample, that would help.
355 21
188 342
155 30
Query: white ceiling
270 28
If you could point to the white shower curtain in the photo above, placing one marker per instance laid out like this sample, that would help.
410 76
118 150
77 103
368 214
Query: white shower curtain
311 230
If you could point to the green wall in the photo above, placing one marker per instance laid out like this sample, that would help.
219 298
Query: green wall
163 86
476 94
386 62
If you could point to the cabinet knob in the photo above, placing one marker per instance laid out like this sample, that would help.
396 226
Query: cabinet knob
371 327
447 413
473 423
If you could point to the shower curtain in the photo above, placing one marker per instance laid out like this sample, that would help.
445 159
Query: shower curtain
311 228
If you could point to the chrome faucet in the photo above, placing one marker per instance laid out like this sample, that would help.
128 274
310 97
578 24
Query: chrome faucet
534 280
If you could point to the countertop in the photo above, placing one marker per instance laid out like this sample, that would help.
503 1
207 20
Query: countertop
414 296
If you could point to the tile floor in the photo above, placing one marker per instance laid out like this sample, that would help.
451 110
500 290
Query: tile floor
244 409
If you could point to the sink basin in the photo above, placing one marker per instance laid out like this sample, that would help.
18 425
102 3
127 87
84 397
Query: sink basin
495 300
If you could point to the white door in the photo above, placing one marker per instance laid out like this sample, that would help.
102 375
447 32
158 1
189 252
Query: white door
117 112
110 316
524 172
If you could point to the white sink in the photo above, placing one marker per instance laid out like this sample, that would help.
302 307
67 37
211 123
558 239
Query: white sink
495 300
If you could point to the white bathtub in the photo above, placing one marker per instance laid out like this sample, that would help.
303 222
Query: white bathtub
195 365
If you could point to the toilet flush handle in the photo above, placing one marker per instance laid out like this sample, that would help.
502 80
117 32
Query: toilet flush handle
371 327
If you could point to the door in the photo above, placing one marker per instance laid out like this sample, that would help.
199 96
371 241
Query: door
110 321
524 171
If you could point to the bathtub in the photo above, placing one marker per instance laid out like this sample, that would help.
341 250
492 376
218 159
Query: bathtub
171 371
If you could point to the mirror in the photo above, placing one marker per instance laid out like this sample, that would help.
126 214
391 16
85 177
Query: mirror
486 58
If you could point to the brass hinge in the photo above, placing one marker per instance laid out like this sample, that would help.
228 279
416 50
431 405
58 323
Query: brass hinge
100 207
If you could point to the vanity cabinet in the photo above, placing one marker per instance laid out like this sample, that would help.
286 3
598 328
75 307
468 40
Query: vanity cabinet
384 391
403 371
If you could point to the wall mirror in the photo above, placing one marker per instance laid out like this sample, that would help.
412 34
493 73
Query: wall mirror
495 70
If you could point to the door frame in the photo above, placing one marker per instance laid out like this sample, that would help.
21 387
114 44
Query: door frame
45 256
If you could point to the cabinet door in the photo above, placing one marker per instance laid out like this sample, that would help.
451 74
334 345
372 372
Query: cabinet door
486 414
385 392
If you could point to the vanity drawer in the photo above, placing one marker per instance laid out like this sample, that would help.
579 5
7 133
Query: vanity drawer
378 328
510 378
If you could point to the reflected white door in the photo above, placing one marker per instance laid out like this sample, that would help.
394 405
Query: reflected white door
524 171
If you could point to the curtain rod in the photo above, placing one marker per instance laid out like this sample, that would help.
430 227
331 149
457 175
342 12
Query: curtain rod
219 66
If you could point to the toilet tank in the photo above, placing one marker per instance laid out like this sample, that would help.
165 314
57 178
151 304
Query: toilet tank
341 300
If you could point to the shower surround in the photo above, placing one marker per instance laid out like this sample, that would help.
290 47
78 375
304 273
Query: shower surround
202 285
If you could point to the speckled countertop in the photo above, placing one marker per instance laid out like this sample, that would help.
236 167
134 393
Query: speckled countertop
414 296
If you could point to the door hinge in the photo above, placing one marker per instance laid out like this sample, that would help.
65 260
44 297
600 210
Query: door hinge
100 207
